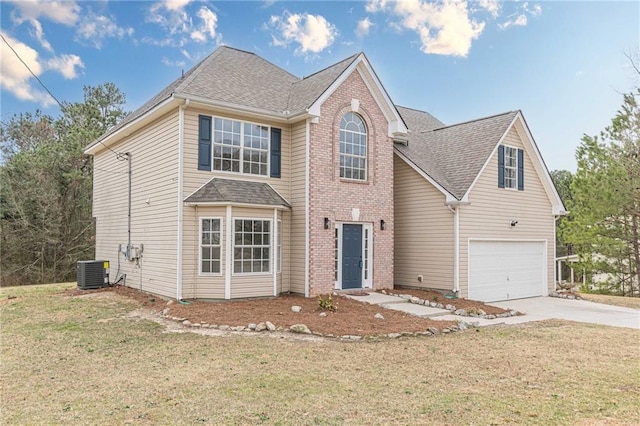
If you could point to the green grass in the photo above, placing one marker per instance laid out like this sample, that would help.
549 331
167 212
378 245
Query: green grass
82 360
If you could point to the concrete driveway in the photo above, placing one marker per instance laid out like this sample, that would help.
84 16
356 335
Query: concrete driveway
541 308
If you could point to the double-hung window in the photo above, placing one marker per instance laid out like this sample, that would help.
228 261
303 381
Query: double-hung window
210 236
251 246
353 147
510 167
239 146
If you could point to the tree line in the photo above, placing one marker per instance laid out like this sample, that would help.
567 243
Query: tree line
603 198
46 187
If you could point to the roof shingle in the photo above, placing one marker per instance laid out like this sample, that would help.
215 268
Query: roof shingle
452 155
237 192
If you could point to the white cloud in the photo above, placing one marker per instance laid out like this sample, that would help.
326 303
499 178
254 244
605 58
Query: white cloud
517 21
374 6
66 65
171 16
14 76
363 27
168 62
491 6
38 33
175 4
207 28
444 28
312 32
94 29
61 12
180 26
520 19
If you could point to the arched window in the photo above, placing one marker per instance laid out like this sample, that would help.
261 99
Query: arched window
353 147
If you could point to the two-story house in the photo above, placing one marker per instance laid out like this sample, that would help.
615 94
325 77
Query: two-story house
242 180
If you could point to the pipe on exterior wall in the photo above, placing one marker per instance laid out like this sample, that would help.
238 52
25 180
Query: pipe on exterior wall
181 109
456 248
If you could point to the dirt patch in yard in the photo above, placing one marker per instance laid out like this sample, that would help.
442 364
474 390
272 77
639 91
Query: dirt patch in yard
351 318
436 296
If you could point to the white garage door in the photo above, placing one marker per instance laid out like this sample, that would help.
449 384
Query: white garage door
503 270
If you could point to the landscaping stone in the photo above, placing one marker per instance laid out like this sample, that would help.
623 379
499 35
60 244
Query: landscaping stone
462 326
378 316
237 328
460 312
490 316
394 335
270 326
296 309
446 331
433 330
252 326
165 311
405 296
351 337
450 307
433 304
224 327
300 328
261 326
323 314
186 322
416 300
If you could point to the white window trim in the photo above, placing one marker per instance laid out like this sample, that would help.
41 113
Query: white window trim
366 156
209 274
366 283
242 122
233 247
515 188
278 236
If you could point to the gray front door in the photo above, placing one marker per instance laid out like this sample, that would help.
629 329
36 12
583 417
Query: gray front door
351 256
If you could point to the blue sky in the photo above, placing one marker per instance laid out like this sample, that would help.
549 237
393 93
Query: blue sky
562 63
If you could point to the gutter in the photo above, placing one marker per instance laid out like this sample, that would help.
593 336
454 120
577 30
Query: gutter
181 109
455 209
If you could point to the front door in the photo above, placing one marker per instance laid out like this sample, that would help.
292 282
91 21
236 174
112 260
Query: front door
351 256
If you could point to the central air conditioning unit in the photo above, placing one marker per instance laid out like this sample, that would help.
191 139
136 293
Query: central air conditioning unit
92 274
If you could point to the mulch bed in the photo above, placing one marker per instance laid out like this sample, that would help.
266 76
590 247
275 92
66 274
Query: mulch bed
436 296
351 318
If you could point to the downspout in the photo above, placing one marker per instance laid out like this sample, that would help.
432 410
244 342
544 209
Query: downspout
181 109
456 248
128 254
557 270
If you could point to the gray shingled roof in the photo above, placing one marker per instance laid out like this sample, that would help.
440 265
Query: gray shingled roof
306 91
452 155
243 78
237 192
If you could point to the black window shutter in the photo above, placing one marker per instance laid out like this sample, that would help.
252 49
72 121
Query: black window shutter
276 142
501 166
520 170
204 143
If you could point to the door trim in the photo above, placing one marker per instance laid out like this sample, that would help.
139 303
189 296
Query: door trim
367 254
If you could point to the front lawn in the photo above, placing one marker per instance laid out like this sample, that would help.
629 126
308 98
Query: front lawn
86 360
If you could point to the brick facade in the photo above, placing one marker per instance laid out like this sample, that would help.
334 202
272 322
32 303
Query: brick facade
334 198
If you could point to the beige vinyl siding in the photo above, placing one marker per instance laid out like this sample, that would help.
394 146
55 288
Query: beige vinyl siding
424 234
194 284
492 209
298 207
251 285
154 162
194 178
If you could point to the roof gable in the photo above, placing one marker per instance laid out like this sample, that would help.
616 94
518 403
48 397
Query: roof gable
237 80
455 156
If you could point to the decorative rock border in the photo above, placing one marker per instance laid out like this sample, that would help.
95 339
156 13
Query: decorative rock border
563 295
472 312
267 326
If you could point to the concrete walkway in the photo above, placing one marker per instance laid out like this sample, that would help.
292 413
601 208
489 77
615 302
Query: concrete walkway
534 309
541 308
